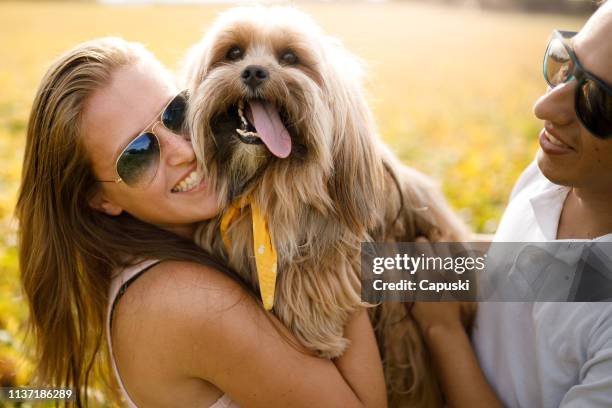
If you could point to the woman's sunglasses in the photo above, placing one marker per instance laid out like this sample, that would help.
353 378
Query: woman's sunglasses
137 164
593 97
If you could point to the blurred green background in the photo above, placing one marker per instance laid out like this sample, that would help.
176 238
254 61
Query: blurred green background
451 86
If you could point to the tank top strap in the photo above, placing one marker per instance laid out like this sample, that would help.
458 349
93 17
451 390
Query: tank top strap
119 283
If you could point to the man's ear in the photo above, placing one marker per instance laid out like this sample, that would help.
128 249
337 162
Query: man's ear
100 203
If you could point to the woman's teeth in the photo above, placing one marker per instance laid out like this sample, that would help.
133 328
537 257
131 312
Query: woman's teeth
188 183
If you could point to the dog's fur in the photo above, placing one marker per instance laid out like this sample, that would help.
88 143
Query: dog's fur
338 187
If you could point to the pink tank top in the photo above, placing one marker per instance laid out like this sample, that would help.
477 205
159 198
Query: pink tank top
119 283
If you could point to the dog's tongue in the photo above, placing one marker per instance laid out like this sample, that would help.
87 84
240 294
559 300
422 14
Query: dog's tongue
270 128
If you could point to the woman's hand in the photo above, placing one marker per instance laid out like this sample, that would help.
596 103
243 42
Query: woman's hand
431 315
449 315
444 326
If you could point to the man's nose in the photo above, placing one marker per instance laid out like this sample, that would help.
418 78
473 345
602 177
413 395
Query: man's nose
254 75
557 105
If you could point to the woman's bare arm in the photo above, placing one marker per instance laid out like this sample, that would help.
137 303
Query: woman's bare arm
444 329
203 325
360 364
462 380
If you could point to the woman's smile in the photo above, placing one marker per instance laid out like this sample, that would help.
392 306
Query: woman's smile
193 181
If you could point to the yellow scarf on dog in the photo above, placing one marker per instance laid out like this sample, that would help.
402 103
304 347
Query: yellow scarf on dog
265 254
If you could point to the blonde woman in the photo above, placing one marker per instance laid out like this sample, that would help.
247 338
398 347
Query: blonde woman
108 202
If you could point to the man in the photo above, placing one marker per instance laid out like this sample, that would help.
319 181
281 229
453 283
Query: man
546 354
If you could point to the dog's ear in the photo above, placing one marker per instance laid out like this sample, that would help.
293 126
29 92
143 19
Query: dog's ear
194 66
356 185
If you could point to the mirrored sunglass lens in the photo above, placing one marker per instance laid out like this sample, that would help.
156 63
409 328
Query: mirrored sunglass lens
174 115
594 108
138 163
558 65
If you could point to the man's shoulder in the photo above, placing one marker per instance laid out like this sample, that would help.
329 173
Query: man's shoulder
588 323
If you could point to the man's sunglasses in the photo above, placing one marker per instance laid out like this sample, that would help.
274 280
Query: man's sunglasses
137 164
593 97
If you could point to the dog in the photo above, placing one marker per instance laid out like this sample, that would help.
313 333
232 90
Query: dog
283 132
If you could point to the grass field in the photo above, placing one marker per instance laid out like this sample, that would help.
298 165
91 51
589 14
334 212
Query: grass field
451 88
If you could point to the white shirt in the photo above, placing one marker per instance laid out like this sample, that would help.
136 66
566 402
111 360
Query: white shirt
544 354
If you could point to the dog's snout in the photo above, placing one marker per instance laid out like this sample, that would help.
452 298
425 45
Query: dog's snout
254 75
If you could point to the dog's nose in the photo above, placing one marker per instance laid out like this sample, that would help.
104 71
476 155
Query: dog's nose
254 75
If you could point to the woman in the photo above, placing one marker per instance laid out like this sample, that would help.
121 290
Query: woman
110 190
547 354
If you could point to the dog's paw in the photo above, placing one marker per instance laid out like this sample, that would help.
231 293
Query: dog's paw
332 353
329 348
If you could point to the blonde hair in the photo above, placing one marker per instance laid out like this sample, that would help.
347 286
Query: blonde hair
67 250
340 186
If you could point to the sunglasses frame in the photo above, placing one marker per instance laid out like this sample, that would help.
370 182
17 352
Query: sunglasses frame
580 74
150 129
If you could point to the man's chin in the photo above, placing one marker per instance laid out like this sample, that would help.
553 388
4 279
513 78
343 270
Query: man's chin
556 171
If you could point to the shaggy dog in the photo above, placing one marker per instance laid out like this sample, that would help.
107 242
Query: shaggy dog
279 122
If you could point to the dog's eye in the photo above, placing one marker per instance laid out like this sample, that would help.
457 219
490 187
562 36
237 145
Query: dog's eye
288 57
234 54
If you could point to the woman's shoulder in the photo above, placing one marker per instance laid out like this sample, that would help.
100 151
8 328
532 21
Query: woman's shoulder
165 325
175 292
177 307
